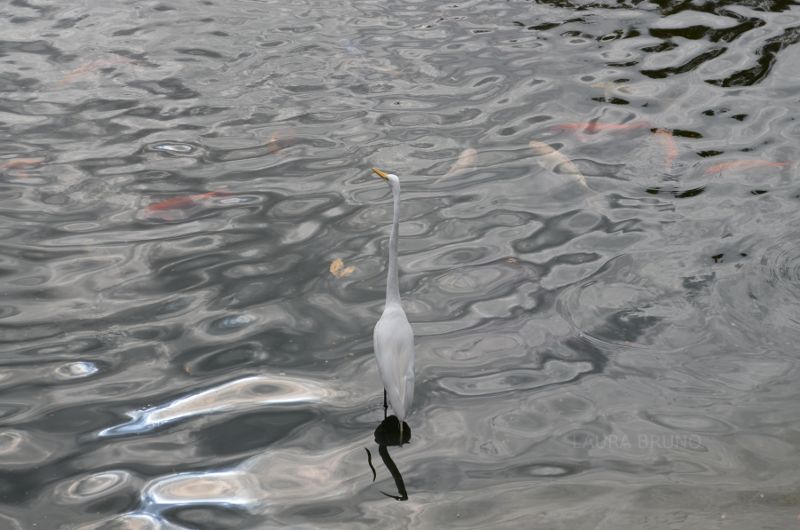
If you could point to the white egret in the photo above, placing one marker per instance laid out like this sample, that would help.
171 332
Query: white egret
393 337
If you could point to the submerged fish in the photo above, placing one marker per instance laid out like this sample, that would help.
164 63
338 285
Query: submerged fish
279 141
92 66
17 163
551 160
20 164
609 88
743 164
594 126
465 160
670 147
183 201
273 145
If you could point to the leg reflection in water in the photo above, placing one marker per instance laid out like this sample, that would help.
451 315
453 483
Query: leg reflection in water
387 434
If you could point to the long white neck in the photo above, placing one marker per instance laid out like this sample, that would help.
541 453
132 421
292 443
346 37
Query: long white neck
392 287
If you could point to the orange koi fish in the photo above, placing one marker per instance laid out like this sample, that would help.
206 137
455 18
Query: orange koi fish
743 164
670 147
594 126
21 163
16 163
91 66
184 201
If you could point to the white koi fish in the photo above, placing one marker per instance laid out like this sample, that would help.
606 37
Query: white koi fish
466 160
555 162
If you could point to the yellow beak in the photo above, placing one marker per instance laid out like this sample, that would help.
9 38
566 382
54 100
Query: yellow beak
380 173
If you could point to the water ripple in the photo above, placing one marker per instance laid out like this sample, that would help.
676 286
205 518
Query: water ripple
635 301
596 255
764 293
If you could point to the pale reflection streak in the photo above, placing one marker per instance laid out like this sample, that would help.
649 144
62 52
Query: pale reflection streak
294 476
93 487
19 448
240 395
132 521
9 522
221 488
273 483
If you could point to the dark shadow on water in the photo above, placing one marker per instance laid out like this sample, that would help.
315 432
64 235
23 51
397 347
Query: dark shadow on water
387 434
765 56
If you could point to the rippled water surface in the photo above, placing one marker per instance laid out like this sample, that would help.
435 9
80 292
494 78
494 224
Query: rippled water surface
599 256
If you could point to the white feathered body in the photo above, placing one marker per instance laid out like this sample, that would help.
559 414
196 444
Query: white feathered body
393 340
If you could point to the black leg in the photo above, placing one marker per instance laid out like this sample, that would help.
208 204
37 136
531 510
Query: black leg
369 461
385 406
398 478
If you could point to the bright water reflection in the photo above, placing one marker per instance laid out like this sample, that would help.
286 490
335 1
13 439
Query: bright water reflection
598 255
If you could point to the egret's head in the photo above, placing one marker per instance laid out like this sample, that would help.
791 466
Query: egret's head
390 178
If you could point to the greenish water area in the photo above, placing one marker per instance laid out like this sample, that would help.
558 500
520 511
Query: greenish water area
598 253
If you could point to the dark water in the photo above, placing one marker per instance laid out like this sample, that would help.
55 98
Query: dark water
181 349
